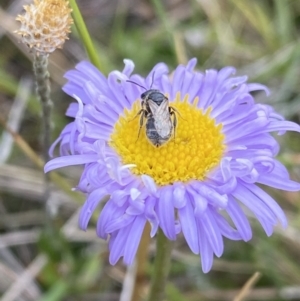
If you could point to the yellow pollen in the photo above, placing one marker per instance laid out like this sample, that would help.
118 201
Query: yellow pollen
197 148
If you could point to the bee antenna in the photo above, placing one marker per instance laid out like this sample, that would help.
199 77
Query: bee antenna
129 81
152 81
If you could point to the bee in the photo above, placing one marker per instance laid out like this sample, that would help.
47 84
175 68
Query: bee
160 117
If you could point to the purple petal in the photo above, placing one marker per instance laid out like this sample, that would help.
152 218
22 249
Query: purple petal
151 214
200 203
149 184
206 252
118 246
258 87
236 81
268 200
165 85
69 160
179 200
89 206
195 86
136 207
212 232
177 80
166 212
279 126
224 73
239 219
54 144
189 226
267 226
129 67
225 229
135 237
72 110
278 182
134 193
155 74
119 197
213 196
191 64
89 70
253 203
186 83
207 92
109 211
241 167
118 223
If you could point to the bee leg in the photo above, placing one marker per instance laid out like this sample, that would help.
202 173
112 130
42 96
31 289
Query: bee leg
173 110
142 110
141 122
138 113
172 113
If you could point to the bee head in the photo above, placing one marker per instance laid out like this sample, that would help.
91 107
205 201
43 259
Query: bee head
154 95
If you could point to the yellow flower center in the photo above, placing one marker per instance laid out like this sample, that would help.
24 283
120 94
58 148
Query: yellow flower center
196 149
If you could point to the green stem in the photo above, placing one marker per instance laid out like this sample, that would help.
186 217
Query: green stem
141 261
161 267
159 9
58 291
43 89
42 77
84 35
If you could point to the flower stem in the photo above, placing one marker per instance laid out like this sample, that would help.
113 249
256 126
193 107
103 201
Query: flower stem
40 67
168 28
141 259
161 267
43 88
84 35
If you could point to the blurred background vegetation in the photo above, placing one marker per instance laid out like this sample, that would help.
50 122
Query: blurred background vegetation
258 37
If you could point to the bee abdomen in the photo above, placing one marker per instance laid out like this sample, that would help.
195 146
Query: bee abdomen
153 135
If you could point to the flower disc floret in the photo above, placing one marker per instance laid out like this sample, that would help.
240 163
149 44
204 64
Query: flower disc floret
195 148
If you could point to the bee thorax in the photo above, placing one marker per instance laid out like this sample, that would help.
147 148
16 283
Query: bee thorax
159 117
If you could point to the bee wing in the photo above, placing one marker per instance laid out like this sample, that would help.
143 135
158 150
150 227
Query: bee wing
153 106
161 115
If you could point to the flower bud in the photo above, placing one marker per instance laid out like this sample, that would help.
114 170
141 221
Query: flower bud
45 25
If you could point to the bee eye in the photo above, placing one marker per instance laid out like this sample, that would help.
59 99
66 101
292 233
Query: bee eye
143 95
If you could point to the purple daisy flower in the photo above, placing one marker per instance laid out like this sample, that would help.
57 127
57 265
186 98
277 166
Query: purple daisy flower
205 175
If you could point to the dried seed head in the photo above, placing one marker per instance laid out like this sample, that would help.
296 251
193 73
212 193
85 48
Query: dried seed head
45 25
